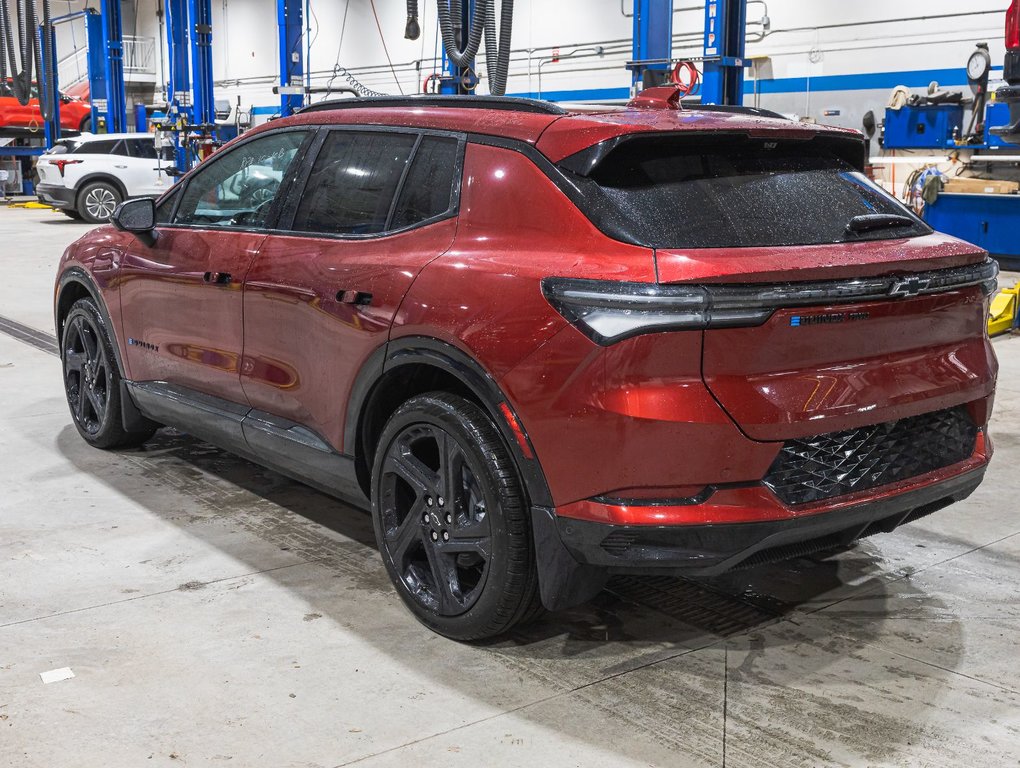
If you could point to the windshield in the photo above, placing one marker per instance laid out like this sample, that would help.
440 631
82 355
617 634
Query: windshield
739 191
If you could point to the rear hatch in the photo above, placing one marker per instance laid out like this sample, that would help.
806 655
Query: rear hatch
52 163
831 305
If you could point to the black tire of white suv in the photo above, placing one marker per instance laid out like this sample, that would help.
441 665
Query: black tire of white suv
97 201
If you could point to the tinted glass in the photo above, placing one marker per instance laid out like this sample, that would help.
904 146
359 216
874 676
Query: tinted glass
428 189
237 189
165 207
104 147
351 186
145 148
738 191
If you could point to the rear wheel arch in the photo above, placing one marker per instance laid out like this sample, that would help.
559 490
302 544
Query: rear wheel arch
94 177
412 366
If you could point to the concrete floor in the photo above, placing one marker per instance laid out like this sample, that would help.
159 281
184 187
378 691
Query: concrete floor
214 613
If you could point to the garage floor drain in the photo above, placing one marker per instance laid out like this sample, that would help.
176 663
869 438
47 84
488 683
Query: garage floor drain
42 341
691 603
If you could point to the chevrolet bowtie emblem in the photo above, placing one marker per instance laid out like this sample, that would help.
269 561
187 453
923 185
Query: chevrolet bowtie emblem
909 286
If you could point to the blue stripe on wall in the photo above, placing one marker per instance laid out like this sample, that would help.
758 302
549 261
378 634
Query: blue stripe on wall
918 78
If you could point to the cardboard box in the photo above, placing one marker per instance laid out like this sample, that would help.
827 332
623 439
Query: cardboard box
981 186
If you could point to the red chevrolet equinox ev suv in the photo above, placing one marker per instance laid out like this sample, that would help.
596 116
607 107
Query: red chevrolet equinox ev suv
546 346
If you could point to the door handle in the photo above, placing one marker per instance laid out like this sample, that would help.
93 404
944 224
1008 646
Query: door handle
120 166
217 278
354 297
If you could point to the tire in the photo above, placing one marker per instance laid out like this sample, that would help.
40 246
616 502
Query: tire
86 125
97 201
71 213
452 520
92 381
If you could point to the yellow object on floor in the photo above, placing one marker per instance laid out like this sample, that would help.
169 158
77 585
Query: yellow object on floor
34 204
1003 312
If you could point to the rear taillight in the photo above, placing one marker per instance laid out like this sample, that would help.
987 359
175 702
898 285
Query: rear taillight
62 164
1013 26
608 311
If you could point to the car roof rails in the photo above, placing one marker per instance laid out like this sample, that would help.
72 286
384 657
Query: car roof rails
453 101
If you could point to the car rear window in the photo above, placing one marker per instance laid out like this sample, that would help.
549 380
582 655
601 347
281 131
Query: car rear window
738 191
63 147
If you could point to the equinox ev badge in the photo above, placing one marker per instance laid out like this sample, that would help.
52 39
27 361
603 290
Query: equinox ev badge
799 321
909 286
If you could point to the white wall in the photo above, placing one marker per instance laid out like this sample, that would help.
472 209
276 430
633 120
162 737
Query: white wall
246 49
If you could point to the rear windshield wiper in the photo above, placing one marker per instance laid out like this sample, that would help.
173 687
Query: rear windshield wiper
870 221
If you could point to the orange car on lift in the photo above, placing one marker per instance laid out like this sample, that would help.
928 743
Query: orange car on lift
75 113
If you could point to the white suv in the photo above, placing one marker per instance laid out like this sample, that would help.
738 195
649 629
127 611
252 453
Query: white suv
87 176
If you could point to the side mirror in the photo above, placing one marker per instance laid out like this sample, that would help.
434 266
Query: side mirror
137 216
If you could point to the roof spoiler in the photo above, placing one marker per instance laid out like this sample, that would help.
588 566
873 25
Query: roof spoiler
660 97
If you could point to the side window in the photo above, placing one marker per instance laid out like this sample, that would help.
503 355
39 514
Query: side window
120 148
165 207
428 189
351 186
237 189
144 148
103 147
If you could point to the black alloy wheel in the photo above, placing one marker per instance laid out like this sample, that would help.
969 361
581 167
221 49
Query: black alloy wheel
86 374
435 528
451 519
92 380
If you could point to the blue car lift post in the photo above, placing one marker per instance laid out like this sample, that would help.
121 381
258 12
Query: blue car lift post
106 68
723 62
190 104
105 61
725 42
290 20
653 42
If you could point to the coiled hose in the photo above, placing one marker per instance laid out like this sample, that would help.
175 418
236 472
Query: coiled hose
497 52
30 52
462 57
355 85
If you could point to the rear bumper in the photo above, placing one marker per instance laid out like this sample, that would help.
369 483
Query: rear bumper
577 557
714 548
55 195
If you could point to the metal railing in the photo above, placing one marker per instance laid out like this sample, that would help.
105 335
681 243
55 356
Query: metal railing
139 55
139 59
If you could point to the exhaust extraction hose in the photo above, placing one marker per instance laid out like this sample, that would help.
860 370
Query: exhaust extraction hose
413 30
462 57
497 57
497 54
31 52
